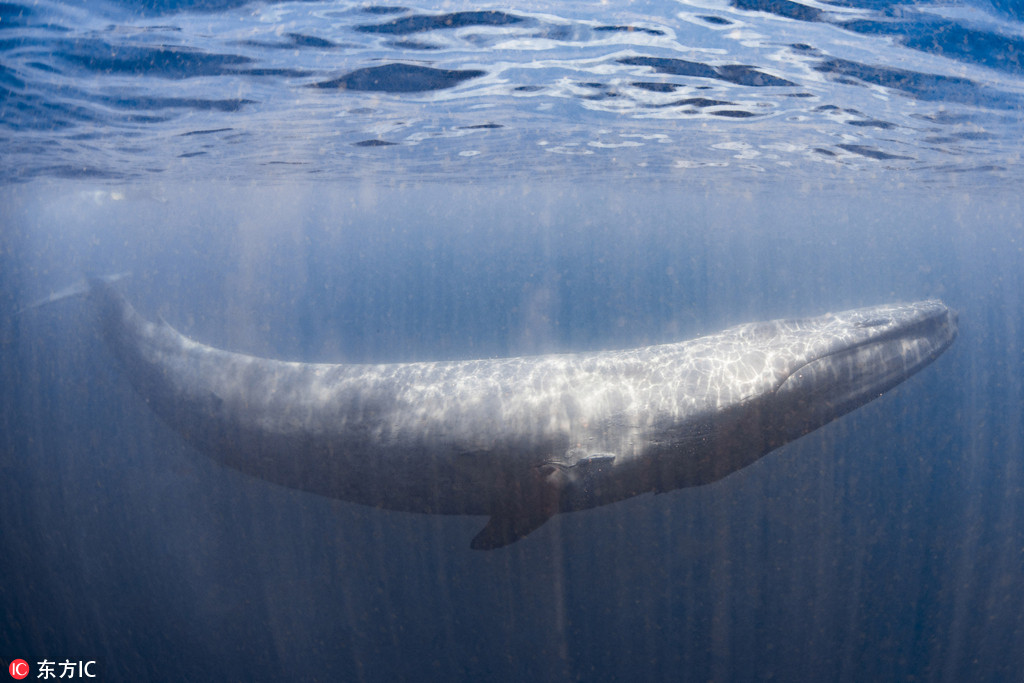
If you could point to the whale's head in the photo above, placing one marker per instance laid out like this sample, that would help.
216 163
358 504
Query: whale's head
758 386
789 377
838 362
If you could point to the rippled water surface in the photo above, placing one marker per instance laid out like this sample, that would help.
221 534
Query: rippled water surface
650 89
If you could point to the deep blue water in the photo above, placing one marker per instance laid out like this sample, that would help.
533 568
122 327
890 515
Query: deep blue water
360 183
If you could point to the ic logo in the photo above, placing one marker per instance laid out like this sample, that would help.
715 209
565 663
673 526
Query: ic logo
19 669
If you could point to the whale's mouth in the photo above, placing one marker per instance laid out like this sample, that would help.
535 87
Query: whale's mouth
846 378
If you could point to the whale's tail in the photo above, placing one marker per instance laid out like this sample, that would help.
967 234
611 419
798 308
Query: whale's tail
77 289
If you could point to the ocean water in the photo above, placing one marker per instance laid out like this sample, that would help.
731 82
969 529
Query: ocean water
348 182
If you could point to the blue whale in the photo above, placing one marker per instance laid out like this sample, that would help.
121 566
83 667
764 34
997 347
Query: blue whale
523 439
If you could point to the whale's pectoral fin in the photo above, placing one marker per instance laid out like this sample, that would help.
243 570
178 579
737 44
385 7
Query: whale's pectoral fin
508 527
535 501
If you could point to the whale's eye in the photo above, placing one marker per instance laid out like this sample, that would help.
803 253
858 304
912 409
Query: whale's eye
874 322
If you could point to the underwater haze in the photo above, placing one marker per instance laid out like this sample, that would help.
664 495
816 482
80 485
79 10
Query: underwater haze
355 183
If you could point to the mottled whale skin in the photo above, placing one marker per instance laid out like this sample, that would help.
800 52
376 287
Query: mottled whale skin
522 439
